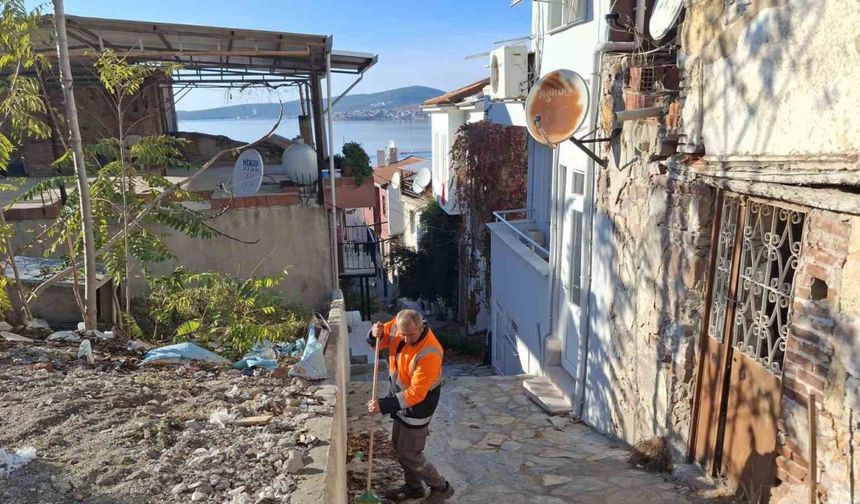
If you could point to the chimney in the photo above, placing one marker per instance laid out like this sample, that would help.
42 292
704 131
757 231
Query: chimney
380 157
392 155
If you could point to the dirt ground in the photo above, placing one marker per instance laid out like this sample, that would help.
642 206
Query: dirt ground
114 433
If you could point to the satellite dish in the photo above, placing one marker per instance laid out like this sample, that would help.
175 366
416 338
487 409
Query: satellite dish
556 106
247 173
421 179
395 181
664 16
300 163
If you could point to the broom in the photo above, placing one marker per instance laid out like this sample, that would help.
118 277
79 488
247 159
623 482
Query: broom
367 497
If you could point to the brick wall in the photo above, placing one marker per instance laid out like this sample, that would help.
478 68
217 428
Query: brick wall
823 359
97 118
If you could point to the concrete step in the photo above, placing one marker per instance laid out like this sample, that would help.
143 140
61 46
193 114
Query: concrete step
544 393
552 351
562 381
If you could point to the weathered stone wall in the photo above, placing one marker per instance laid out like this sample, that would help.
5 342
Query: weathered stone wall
652 238
823 358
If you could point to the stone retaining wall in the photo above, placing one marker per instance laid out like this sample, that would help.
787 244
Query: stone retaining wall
325 477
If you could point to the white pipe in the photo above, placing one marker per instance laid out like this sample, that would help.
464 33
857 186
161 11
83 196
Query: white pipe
331 175
591 198
554 246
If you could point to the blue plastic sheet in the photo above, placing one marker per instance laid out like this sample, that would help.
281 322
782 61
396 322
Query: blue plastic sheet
312 364
182 351
262 355
266 355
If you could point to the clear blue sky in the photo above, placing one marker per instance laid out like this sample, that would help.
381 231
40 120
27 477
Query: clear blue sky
419 42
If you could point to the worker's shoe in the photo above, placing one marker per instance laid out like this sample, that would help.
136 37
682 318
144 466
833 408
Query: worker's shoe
439 495
404 492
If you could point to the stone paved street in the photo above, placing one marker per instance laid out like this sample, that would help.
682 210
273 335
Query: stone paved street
495 446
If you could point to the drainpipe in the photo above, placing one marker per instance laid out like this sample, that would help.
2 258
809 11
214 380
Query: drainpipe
553 248
591 196
334 265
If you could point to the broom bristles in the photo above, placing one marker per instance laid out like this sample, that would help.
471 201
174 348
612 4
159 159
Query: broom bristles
368 498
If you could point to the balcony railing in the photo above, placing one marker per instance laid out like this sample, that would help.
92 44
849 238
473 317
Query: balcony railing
514 221
358 250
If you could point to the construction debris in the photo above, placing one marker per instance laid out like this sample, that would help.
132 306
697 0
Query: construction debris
157 444
176 354
13 461
15 338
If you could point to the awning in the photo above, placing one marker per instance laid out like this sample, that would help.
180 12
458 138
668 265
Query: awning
207 53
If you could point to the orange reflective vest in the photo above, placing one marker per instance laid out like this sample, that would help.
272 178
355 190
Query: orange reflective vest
415 375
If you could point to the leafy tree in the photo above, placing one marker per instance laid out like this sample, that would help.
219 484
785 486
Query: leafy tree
353 156
490 170
126 183
21 110
430 272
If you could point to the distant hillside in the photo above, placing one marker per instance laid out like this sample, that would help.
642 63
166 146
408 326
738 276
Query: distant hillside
393 102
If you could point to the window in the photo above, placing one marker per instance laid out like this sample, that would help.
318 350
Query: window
761 274
769 256
578 183
575 284
565 12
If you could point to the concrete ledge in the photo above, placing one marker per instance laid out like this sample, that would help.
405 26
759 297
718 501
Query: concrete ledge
325 479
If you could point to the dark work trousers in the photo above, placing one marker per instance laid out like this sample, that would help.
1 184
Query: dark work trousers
409 445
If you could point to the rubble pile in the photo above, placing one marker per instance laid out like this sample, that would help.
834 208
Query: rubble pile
114 431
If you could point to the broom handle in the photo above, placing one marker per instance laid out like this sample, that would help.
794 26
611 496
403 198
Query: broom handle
372 431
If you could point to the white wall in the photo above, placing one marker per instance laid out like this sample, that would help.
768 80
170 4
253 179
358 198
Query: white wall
520 288
783 83
571 48
396 220
507 113
443 128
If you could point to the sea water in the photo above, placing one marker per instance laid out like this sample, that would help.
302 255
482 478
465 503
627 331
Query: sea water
412 137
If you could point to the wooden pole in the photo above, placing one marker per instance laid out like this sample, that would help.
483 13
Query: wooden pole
372 426
813 450
80 167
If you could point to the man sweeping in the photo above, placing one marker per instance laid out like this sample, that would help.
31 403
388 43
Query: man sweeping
415 376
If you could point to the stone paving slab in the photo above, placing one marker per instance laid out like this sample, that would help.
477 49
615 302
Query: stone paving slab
495 446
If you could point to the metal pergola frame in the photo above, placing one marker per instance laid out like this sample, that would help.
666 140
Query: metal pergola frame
219 57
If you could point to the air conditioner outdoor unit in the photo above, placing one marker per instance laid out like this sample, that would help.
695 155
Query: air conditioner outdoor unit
509 72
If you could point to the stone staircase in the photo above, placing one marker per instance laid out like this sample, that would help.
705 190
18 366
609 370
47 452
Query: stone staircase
554 391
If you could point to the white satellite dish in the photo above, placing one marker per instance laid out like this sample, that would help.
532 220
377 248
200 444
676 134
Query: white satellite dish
247 173
422 178
664 17
395 181
299 162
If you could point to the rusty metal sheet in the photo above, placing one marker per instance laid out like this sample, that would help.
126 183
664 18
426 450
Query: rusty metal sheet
556 106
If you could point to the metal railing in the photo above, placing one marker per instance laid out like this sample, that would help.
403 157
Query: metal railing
504 216
358 249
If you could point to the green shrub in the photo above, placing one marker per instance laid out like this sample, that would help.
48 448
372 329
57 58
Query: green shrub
221 311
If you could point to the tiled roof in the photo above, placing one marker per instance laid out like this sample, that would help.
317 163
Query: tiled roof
458 95
382 174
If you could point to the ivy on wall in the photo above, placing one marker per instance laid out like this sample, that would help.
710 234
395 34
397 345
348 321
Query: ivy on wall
490 164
